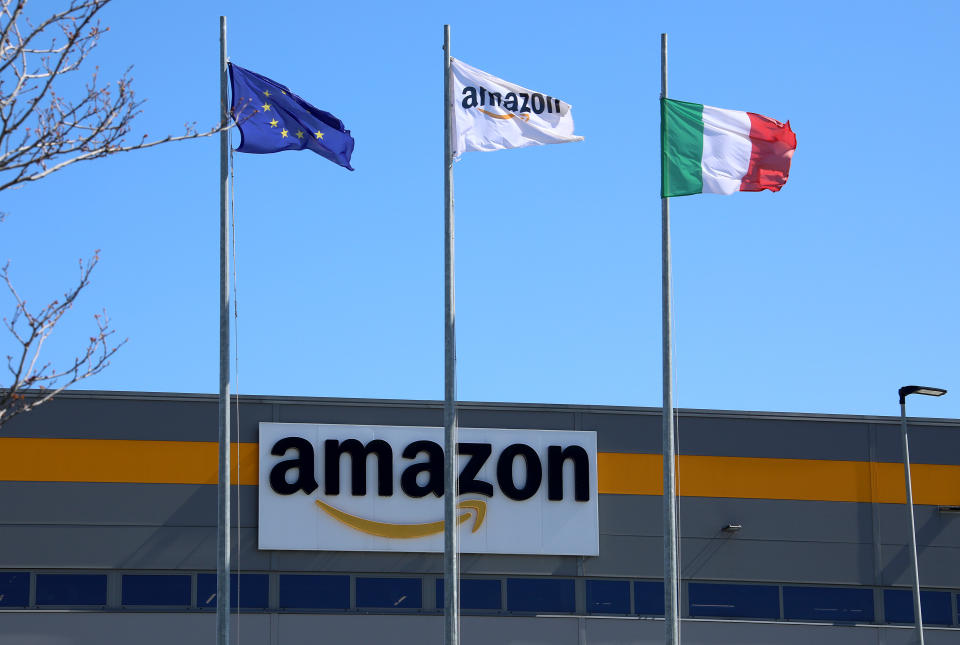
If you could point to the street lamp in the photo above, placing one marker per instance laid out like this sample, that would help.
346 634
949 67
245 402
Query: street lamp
906 391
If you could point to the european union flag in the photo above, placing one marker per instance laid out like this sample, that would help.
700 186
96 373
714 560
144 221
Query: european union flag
271 118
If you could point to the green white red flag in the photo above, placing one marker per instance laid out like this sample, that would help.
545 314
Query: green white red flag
711 150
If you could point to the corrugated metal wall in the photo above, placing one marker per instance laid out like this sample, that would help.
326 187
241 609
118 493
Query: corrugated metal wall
171 527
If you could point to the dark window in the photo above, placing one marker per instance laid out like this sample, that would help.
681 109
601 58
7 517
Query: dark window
474 594
648 597
541 594
71 589
14 589
314 592
608 597
934 605
247 591
390 593
156 590
828 603
734 601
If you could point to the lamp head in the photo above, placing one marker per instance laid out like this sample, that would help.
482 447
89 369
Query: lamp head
907 390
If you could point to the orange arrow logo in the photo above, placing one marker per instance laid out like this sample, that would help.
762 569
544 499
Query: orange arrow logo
406 531
525 117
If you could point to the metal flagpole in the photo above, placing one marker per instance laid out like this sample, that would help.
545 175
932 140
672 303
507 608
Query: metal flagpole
451 564
223 488
670 578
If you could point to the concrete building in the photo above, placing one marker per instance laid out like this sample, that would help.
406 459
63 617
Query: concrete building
793 530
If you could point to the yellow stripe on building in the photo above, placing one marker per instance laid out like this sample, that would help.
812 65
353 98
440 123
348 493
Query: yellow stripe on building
195 462
767 478
120 461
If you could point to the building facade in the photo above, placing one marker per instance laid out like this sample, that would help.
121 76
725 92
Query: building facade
793 530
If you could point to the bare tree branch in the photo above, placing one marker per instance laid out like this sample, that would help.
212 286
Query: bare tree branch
33 382
43 129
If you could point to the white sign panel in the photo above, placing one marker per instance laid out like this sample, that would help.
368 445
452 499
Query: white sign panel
380 488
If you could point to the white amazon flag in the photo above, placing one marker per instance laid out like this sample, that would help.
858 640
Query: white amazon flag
492 114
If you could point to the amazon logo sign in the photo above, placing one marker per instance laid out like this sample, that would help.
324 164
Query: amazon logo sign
510 105
380 488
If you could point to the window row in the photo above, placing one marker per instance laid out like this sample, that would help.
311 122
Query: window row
833 604
296 591
773 602
327 592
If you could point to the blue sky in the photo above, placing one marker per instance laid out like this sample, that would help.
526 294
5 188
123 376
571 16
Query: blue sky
825 297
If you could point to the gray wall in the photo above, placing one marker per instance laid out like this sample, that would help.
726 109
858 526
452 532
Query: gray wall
91 628
165 527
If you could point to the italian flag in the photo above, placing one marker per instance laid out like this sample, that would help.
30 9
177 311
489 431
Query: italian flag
711 150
